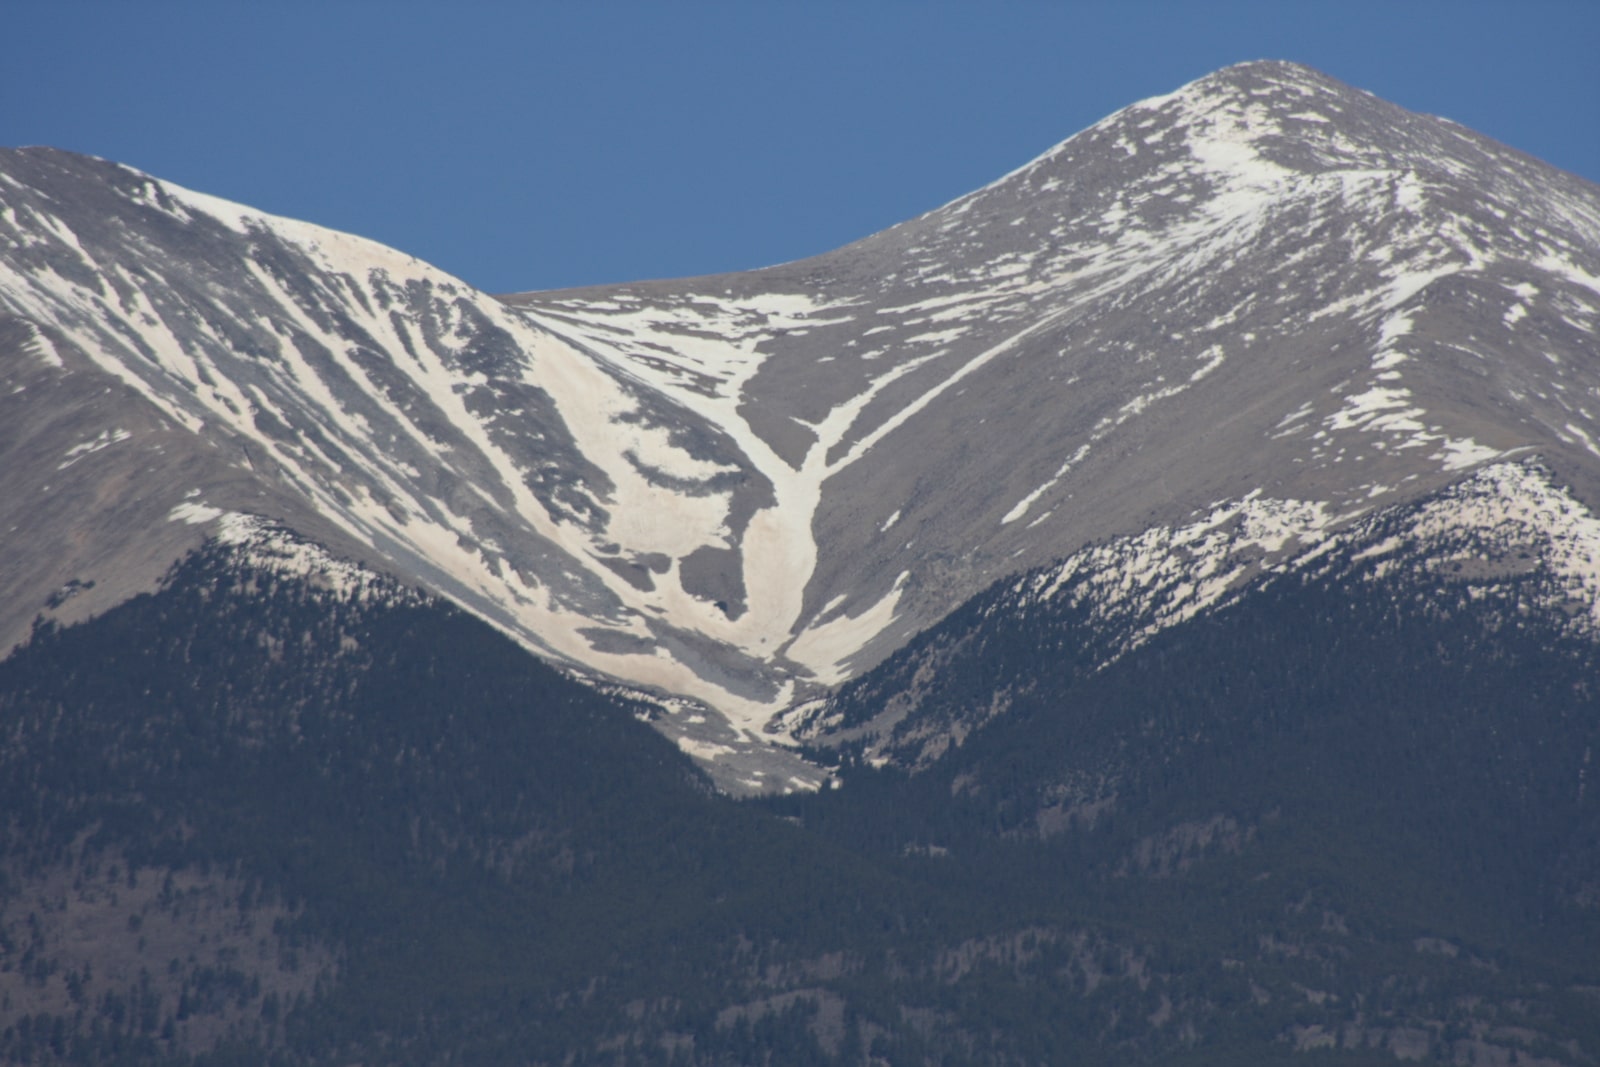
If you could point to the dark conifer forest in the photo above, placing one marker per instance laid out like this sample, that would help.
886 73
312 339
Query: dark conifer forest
252 819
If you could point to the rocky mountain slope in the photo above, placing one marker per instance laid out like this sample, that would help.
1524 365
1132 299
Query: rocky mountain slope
1260 308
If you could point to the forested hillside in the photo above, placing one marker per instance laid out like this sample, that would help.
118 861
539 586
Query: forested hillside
257 817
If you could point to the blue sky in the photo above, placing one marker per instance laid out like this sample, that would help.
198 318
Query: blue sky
527 146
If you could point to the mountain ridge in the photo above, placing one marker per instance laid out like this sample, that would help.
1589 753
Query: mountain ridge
746 489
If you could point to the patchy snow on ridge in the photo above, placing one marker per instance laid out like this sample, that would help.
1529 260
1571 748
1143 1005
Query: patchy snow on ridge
1511 517
1507 535
268 546
1167 574
1145 583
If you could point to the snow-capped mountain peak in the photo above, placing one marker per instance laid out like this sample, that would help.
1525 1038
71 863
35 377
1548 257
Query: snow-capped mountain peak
740 490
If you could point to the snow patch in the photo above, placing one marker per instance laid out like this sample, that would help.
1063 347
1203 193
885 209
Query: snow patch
195 514
42 347
825 648
105 439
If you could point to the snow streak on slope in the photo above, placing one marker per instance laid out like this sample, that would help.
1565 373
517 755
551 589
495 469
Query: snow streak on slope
780 550
468 447
702 355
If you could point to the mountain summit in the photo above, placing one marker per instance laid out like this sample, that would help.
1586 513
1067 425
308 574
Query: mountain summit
1188 346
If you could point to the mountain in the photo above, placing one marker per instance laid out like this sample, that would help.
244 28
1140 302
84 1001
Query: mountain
1151 603
1264 292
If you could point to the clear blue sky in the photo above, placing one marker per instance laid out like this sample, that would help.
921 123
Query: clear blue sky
532 145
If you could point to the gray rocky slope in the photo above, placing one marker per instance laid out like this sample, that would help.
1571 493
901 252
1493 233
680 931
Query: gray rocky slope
1194 342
